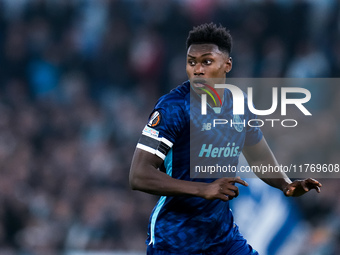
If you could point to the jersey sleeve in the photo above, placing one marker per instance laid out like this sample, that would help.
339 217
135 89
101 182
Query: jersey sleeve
253 131
165 124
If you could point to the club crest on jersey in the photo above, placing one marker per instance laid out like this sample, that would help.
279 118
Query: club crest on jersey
238 123
155 119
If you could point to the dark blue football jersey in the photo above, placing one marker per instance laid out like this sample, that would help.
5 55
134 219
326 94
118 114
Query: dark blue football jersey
183 224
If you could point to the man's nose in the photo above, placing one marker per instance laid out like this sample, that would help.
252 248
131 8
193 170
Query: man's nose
198 69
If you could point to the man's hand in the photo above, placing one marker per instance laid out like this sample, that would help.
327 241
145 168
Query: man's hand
223 189
300 187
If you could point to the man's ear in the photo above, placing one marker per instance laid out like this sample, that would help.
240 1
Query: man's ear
229 64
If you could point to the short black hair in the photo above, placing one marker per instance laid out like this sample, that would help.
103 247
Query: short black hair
211 33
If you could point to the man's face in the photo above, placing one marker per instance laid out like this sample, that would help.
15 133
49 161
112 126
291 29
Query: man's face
205 61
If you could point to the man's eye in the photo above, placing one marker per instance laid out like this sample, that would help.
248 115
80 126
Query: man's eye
192 63
208 62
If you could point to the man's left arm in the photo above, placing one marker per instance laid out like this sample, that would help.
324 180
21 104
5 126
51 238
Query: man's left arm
260 154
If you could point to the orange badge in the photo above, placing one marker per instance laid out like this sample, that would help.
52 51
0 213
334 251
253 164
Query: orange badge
154 119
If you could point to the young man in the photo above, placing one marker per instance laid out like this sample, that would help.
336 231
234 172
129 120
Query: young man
193 215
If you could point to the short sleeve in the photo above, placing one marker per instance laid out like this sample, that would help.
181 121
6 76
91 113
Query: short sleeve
165 124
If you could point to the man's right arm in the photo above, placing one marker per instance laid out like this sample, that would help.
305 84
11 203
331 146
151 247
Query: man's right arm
145 176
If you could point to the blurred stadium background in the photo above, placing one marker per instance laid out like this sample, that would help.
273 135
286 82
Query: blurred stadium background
78 79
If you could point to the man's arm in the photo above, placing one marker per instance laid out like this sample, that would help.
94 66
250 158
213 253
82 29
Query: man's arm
260 154
145 176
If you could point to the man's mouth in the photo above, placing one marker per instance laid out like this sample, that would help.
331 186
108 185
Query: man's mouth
199 83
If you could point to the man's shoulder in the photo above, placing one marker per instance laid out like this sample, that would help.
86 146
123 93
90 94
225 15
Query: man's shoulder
176 96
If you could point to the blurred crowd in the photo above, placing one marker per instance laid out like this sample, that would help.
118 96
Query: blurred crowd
78 79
